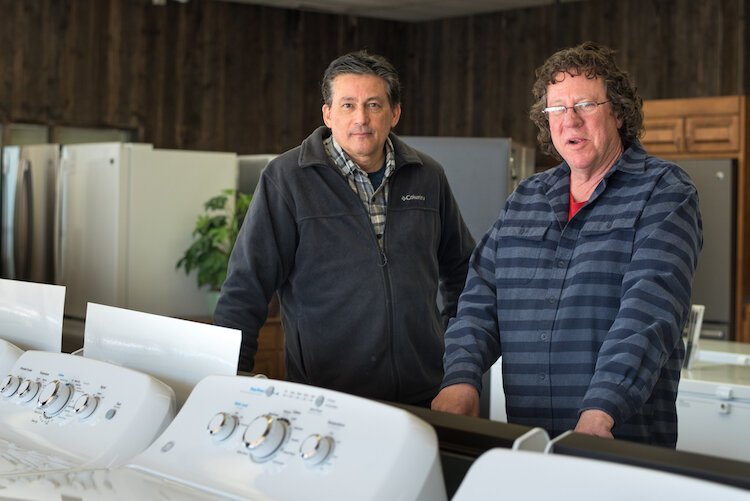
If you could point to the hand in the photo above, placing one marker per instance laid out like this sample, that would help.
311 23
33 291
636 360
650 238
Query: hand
458 399
595 422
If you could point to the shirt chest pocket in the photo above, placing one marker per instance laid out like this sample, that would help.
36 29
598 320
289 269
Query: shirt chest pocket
608 242
518 252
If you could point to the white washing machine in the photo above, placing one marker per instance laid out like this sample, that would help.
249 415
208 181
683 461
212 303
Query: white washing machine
177 352
60 412
713 410
523 475
9 353
31 315
249 438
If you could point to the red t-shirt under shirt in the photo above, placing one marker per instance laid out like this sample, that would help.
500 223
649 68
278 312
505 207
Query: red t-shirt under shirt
574 206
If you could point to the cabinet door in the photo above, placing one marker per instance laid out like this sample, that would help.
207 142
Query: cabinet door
269 359
712 134
663 135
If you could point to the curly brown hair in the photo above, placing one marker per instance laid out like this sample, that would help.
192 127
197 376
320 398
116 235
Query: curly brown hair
592 60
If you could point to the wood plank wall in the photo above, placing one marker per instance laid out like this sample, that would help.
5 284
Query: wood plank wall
227 76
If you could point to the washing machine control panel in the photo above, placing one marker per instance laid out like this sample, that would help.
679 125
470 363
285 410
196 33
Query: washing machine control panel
262 438
77 412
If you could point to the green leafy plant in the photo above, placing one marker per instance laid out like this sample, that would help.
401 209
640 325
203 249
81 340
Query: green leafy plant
214 236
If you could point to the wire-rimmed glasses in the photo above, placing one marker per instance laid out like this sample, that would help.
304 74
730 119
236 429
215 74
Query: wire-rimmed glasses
581 109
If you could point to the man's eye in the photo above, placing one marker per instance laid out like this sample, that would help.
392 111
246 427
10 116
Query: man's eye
586 106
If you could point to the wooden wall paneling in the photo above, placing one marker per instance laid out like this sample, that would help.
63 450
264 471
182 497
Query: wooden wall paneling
222 75
188 85
242 83
209 97
744 43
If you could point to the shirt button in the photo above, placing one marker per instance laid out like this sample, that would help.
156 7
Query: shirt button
551 300
542 376
544 336
561 264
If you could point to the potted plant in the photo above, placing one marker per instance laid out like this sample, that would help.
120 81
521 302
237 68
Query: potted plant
214 235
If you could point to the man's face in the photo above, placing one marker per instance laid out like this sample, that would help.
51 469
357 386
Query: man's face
589 142
360 117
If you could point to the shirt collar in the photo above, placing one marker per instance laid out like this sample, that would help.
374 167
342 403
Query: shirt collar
347 165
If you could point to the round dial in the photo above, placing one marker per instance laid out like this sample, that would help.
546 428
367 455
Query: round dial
28 390
264 435
9 385
315 449
221 426
53 398
85 405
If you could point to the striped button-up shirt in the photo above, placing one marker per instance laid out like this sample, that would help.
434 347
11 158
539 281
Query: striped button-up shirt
586 313
375 200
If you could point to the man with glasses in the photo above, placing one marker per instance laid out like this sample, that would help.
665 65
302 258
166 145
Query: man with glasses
583 284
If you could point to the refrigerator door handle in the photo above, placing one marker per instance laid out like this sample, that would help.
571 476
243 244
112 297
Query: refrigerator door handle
60 219
24 200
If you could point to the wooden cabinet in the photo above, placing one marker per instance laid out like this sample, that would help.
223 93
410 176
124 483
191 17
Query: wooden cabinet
714 127
693 126
269 359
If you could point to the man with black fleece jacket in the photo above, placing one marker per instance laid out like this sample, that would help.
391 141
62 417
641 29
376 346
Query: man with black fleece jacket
356 230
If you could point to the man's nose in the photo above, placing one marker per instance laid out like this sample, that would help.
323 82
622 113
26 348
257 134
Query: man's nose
361 116
571 117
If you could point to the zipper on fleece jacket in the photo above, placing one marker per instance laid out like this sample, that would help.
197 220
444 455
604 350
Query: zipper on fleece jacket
386 278
391 329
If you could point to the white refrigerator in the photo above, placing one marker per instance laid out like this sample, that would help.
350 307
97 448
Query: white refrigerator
126 213
482 173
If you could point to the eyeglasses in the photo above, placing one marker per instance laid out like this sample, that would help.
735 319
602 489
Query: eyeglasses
581 109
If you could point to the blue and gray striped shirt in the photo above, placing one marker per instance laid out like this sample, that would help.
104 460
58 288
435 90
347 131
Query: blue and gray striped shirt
586 313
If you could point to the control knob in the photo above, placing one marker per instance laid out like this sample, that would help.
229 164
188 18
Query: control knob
221 426
28 390
53 398
9 385
85 405
315 449
264 435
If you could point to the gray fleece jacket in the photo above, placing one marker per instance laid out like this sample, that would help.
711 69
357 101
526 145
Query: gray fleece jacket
355 319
